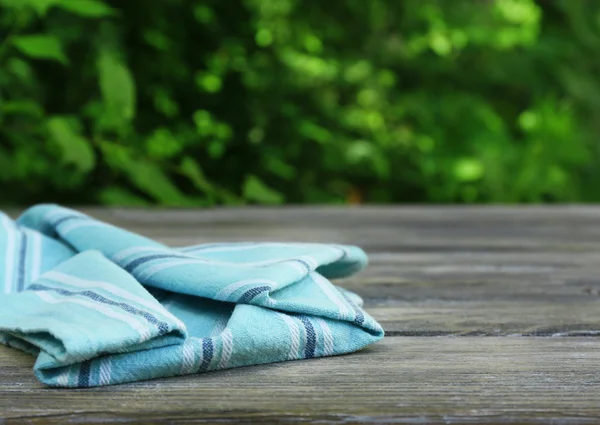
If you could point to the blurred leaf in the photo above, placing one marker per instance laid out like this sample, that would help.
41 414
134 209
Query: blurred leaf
216 149
40 46
151 179
279 167
359 150
204 122
314 132
165 104
87 8
208 82
223 132
313 44
21 69
157 40
76 150
440 43
203 14
118 196
117 157
118 89
26 107
528 120
468 169
40 6
255 190
358 71
147 176
162 144
190 168
264 37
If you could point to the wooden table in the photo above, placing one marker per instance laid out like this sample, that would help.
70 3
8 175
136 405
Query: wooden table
492 316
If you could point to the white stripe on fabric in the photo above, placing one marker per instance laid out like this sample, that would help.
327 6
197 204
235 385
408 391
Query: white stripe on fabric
113 289
187 357
220 326
298 267
345 311
36 252
255 263
9 260
137 326
105 370
78 224
269 302
205 246
148 273
121 255
250 246
327 336
63 377
224 293
294 336
284 261
227 339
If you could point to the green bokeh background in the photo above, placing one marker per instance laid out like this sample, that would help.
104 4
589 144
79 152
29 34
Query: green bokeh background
208 102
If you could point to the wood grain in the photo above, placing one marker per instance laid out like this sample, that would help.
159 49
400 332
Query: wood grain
500 276
492 316
381 229
400 380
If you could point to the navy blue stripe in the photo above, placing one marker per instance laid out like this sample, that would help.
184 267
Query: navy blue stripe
84 373
163 327
304 263
67 218
21 265
207 354
359 318
141 260
250 294
311 337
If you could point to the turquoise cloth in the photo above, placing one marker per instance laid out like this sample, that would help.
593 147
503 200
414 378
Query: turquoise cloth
99 305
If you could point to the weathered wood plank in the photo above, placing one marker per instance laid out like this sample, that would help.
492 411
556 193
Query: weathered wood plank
389 229
537 276
401 380
490 318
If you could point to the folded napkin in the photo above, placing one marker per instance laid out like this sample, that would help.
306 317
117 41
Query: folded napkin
99 305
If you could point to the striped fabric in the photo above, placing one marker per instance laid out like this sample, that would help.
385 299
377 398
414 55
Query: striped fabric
99 305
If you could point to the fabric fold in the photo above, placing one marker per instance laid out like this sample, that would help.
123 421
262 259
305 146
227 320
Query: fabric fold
85 307
101 305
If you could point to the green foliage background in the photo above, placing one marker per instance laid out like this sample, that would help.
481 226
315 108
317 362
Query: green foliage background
203 102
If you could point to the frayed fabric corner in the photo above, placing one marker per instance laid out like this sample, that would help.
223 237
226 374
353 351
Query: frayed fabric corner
99 305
